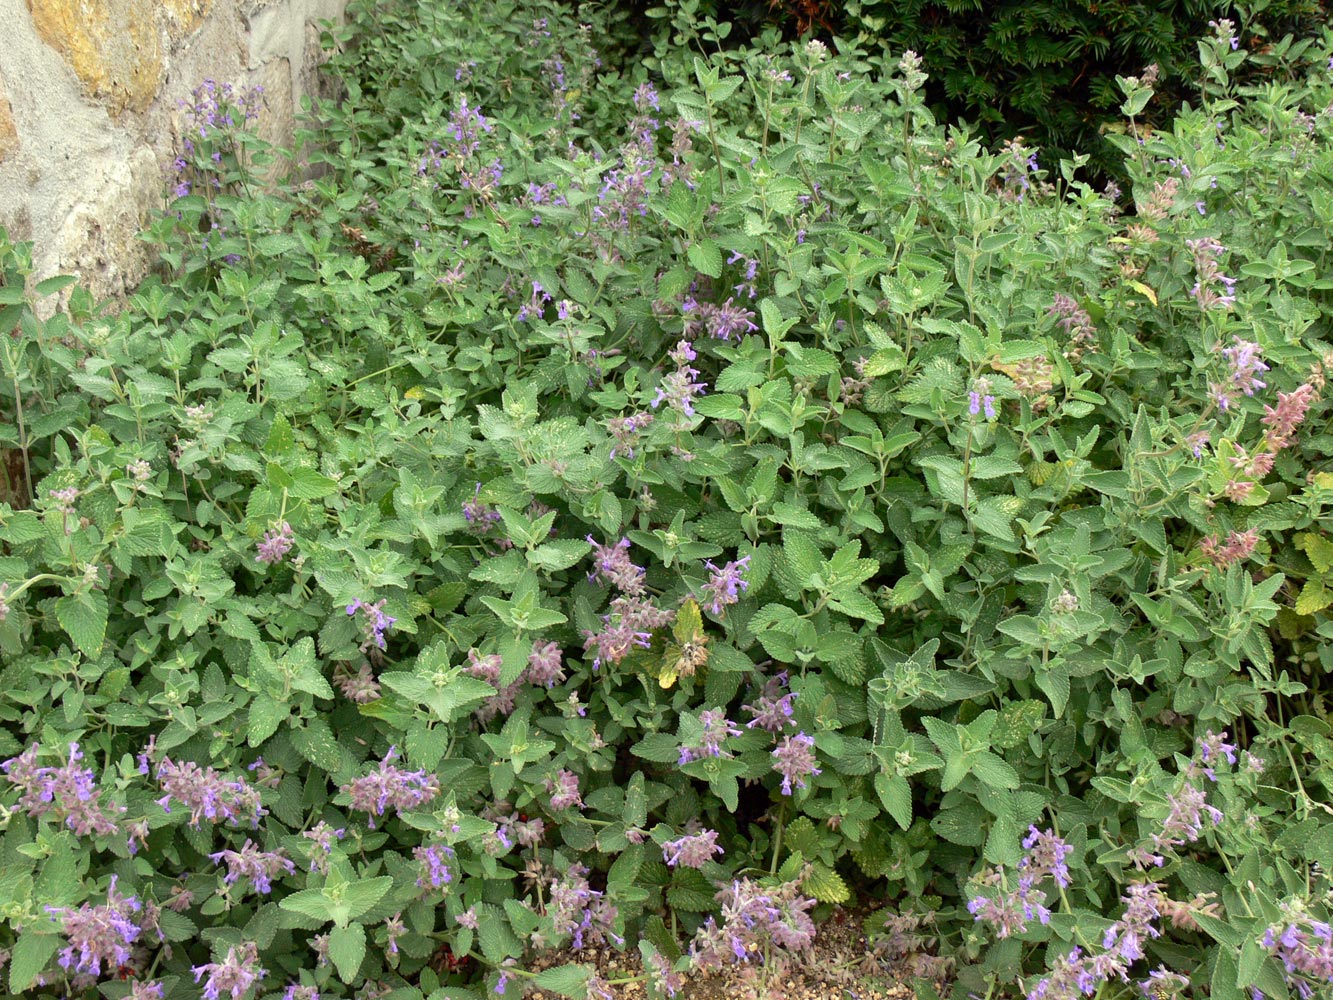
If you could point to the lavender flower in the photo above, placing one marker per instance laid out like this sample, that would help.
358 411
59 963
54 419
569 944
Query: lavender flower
717 728
614 565
580 911
627 431
773 709
1046 856
322 835
628 624
754 917
207 794
544 667
98 934
298 992
1245 364
661 974
678 391
1212 747
234 975
389 786
980 398
466 125
435 872
143 990
480 516
725 585
1007 909
1125 936
394 929
69 792
691 851
275 544
720 321
360 687
565 789
1184 820
1208 275
488 669
794 759
535 307
1289 414
260 867
1074 975
1303 943
374 622
1238 547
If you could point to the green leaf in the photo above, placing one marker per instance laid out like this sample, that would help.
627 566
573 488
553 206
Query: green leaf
1314 596
307 484
661 748
1225 973
347 949
360 896
316 744
567 980
896 795
706 258
559 554
83 617
309 903
266 715
994 771
1017 721
32 953
825 884
857 605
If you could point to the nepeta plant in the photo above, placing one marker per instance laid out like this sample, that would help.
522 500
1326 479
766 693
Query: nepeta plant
596 507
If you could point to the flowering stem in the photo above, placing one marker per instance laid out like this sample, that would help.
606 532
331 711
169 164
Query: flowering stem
777 838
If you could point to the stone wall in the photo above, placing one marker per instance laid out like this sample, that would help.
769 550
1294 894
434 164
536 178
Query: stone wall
90 94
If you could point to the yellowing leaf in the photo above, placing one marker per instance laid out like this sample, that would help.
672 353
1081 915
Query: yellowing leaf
1143 289
666 678
1314 597
825 885
1318 548
689 622
416 392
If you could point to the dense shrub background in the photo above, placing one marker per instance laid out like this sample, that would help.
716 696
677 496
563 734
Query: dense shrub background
1043 70
600 508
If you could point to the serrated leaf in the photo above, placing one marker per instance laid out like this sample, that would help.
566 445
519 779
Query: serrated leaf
308 903
266 715
1314 596
347 949
307 484
825 884
1017 721
83 617
31 954
360 896
316 744
706 258
559 554
660 748
994 771
567 980
896 795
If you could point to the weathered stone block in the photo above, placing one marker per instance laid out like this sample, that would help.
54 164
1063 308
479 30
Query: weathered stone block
9 136
114 47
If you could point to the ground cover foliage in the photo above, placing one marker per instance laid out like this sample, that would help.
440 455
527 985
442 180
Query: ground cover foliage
1046 69
599 509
